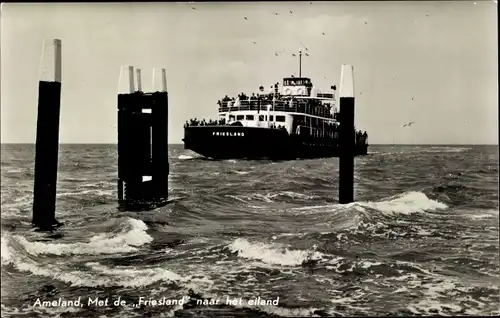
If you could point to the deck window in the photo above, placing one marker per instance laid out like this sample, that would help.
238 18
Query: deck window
280 119
261 118
240 117
231 117
249 117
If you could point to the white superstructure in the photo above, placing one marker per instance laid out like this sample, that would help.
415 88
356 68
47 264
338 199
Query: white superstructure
298 103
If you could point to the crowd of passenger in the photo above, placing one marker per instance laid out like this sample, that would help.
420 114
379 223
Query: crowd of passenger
203 122
313 107
264 98
279 127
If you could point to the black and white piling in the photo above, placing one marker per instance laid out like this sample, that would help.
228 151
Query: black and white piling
143 145
47 137
347 135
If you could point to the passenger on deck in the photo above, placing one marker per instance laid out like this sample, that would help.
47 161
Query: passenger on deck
358 136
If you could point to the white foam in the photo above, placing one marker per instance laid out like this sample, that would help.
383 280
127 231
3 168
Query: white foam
32 311
13 171
5 251
401 290
273 254
131 277
124 242
269 309
242 172
406 203
252 196
184 157
293 195
368 264
95 274
481 216
425 306
98 192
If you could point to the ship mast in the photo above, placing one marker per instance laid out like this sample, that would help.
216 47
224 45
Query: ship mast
300 63
300 60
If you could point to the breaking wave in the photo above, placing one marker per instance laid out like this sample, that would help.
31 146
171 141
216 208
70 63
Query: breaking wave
406 203
90 274
127 240
272 254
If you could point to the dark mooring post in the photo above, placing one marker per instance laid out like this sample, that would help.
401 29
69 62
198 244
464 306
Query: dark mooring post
124 145
347 136
143 146
47 137
159 141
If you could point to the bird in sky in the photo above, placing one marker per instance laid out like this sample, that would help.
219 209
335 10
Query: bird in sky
246 18
276 13
409 124
291 12
412 98
304 46
254 42
323 33
366 22
193 8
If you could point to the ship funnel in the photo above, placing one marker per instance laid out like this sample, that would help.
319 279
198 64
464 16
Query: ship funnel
126 86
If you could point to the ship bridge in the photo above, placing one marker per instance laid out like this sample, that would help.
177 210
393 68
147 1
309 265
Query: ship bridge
296 86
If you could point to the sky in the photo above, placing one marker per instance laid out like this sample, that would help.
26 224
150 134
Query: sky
433 63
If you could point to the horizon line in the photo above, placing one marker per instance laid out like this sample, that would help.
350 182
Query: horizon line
180 143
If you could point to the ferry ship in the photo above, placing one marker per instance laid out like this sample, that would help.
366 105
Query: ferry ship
294 120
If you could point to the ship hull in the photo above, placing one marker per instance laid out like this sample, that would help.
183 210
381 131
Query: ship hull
253 143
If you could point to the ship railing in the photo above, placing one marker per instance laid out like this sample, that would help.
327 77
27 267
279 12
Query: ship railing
308 131
293 106
322 133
